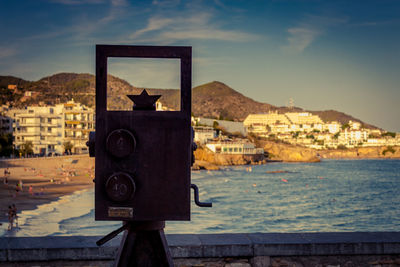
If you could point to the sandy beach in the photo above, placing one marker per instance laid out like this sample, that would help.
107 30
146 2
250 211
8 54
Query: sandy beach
49 179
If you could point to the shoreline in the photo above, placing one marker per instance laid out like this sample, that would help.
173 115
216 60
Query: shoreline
61 176
50 178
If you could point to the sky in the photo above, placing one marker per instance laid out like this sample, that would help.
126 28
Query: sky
341 55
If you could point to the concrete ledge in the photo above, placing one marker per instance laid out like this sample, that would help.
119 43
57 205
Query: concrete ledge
81 248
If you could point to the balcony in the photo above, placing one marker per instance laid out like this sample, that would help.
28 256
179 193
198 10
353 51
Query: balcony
72 122
27 133
28 124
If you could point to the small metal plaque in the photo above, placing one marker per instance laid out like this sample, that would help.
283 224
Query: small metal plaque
120 212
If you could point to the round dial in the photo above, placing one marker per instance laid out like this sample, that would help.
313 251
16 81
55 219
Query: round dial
120 143
120 187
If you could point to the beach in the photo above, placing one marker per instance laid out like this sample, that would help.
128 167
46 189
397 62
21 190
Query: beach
35 181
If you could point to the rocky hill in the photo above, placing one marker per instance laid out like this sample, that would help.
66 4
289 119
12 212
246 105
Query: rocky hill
212 100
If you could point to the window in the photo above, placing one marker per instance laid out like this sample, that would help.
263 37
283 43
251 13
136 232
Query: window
235 149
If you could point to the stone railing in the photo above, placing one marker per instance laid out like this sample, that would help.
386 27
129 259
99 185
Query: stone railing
255 249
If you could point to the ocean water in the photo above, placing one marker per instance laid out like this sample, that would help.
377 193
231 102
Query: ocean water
333 195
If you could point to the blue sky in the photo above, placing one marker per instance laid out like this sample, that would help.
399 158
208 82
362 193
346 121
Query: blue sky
342 55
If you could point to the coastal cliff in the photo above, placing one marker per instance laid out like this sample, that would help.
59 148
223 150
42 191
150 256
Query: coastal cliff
384 152
288 153
206 159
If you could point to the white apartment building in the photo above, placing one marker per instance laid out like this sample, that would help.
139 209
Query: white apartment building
40 125
48 128
265 124
203 133
354 125
238 147
305 121
332 127
353 137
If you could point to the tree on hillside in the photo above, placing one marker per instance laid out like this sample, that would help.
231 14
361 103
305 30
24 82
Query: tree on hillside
346 125
26 148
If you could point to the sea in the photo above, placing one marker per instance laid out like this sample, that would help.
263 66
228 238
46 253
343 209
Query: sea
329 196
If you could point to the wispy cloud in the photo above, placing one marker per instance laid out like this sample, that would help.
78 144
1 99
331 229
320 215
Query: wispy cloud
165 3
77 2
197 26
85 25
7 52
153 24
301 36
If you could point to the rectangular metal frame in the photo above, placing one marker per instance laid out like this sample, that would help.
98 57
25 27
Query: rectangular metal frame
173 126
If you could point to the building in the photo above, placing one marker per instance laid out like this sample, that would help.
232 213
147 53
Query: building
40 125
305 121
353 137
239 147
5 125
79 120
49 128
202 134
272 123
229 126
332 127
262 124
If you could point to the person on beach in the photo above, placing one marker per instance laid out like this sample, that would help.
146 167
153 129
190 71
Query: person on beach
14 214
10 218
30 190
17 189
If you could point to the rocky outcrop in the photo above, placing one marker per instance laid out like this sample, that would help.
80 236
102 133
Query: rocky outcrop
289 153
363 152
204 165
204 155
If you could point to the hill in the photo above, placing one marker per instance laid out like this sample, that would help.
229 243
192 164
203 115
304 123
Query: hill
212 100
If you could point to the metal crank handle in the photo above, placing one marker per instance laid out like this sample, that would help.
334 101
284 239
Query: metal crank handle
196 197
112 235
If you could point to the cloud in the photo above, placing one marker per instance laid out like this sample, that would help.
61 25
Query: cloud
301 36
208 34
153 25
7 52
119 2
166 3
198 26
77 2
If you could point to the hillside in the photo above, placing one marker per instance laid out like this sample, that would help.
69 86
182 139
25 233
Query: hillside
217 100
212 100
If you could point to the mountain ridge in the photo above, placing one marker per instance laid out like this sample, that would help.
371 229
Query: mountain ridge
214 99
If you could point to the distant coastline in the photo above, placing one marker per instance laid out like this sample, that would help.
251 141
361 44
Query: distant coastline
282 152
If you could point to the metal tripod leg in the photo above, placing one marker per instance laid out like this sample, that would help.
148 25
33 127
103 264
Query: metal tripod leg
144 245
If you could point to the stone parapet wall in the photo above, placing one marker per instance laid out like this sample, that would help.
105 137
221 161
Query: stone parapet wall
255 249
